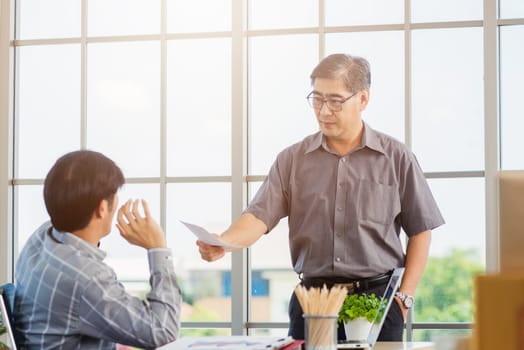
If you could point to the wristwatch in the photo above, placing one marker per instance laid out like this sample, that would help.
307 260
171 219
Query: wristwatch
407 300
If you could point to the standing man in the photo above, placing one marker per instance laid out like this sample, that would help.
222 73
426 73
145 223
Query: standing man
66 296
347 191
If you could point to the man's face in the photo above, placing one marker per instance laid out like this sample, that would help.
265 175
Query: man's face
338 124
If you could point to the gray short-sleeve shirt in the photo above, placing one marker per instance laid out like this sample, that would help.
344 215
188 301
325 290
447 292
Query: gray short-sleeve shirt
345 213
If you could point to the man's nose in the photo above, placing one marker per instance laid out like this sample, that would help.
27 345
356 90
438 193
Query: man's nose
324 109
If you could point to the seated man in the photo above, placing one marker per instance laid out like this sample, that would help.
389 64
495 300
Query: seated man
66 296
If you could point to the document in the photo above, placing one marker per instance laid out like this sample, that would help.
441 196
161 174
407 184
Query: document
209 238
229 343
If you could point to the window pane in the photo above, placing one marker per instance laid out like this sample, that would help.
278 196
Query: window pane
511 8
448 100
198 16
446 10
205 285
511 78
354 12
383 50
48 19
123 17
278 86
457 252
272 276
443 338
123 99
204 332
30 212
273 332
269 14
199 107
48 106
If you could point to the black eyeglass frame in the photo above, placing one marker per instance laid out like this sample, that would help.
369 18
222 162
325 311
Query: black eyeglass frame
311 97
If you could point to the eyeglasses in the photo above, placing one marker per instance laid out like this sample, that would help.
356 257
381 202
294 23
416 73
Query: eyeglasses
334 104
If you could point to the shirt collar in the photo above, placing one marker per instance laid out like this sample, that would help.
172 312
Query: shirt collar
316 142
77 243
370 139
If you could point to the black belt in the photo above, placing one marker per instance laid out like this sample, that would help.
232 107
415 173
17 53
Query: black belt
352 285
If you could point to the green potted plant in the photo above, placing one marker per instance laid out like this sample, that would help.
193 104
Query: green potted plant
357 313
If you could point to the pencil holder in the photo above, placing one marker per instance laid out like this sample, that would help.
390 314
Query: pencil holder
320 332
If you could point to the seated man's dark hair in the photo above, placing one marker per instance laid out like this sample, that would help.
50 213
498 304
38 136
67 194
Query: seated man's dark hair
75 186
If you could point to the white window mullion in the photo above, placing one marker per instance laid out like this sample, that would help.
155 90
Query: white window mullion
240 269
491 132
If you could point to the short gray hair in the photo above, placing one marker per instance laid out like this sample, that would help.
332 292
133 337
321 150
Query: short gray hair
354 71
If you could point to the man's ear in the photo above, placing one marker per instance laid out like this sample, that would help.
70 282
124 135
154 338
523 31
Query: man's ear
102 209
364 99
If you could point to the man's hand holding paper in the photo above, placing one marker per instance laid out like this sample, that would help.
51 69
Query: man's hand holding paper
211 247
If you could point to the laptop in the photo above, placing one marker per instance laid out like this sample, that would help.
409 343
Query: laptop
376 325
7 338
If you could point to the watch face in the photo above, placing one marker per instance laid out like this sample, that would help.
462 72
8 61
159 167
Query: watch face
408 302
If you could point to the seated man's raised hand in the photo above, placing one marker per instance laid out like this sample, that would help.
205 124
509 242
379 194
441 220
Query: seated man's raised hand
139 230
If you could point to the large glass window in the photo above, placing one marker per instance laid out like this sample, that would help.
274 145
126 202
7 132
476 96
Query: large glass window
167 95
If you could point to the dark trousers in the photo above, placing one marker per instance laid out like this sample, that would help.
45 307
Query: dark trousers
392 329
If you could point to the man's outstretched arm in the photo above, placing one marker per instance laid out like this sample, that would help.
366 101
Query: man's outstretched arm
245 231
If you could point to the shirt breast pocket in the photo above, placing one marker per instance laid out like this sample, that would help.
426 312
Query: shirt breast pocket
377 202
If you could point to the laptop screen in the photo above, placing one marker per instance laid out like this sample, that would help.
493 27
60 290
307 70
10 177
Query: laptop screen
7 340
385 304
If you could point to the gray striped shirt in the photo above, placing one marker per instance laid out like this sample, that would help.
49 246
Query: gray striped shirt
68 298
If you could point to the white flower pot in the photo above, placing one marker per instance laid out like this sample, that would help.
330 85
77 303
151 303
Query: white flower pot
357 329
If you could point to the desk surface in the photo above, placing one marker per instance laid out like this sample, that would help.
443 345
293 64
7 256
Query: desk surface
182 342
403 346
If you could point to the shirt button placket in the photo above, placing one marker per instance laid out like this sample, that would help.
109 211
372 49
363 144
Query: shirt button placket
340 204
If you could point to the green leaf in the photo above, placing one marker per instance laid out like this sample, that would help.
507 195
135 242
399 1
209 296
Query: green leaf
359 305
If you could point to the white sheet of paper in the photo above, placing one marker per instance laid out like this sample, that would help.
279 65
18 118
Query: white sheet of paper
206 237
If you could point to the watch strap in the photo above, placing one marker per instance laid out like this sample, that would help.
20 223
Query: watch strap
403 297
